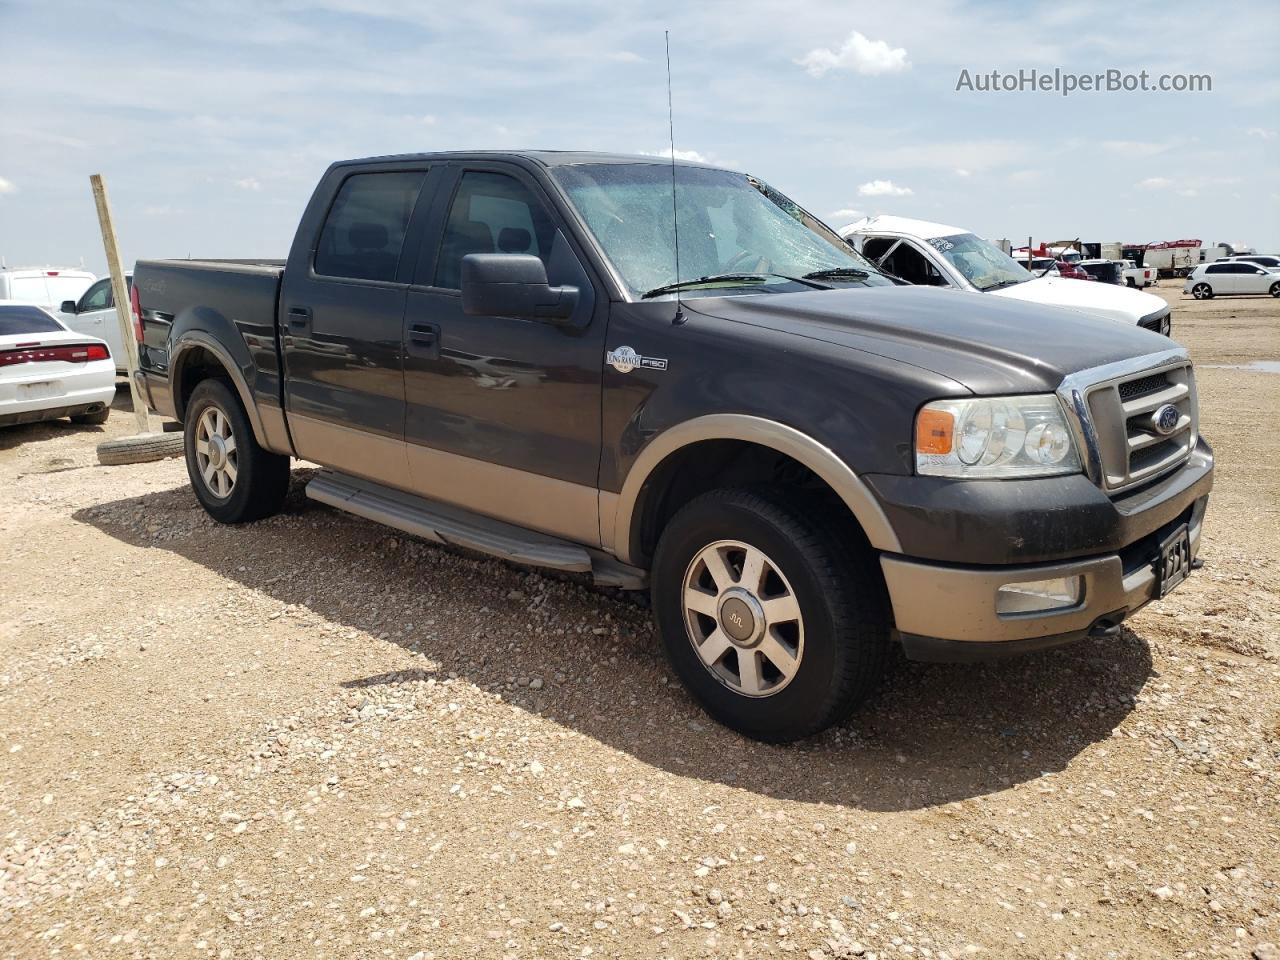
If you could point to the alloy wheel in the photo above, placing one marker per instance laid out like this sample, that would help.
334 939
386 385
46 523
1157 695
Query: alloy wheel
743 618
216 455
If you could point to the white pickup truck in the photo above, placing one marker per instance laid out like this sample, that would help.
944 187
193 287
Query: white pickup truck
1136 276
934 254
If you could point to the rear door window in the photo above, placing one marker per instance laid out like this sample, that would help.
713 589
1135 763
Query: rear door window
17 320
492 213
363 236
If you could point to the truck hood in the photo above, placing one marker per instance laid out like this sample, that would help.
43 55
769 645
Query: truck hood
989 345
1100 299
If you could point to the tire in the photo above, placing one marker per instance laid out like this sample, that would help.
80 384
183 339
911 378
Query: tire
235 479
93 419
1129 281
1275 289
836 647
1202 291
142 448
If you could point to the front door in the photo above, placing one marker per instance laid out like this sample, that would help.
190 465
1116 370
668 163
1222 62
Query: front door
503 414
341 315
95 316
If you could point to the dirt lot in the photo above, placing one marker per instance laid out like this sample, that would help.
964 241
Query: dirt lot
317 737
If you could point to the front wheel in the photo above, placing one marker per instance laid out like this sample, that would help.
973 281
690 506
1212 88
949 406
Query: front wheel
1202 291
1275 289
773 625
234 478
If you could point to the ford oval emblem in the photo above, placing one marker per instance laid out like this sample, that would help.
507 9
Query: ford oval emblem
1165 419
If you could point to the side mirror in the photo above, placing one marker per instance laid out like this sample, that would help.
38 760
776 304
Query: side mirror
513 285
68 306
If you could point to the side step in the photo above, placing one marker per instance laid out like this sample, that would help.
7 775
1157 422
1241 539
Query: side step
446 524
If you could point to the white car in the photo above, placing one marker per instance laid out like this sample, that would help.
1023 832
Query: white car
94 314
1232 277
48 371
44 286
935 254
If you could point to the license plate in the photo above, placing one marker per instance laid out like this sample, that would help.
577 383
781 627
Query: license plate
37 391
1175 561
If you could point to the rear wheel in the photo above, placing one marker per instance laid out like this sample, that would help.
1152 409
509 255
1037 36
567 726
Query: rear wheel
234 478
773 625
1275 289
1202 291
97 418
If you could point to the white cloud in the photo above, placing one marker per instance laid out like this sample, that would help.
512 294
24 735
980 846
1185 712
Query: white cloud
249 183
1189 192
848 214
883 188
1261 133
165 210
693 156
857 54
961 172
625 56
1155 183
7 186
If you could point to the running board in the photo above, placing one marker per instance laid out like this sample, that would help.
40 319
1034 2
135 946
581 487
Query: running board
441 523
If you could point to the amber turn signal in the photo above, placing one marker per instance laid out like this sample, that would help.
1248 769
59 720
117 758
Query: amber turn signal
935 431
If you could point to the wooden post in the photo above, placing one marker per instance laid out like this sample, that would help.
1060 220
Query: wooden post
120 292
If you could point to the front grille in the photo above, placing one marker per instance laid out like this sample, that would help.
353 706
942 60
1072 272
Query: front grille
1125 446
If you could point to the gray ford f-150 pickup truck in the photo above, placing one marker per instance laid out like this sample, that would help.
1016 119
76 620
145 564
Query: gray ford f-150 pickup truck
803 461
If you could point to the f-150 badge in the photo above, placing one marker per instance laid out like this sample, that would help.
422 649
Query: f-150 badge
624 360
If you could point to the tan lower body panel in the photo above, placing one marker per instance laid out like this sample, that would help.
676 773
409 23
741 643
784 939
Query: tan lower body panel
545 504
352 451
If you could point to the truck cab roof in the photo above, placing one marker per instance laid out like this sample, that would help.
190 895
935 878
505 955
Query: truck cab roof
545 158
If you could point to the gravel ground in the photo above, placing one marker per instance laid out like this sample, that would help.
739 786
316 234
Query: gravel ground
316 737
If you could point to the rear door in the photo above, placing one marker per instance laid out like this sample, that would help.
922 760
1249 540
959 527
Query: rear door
503 414
341 315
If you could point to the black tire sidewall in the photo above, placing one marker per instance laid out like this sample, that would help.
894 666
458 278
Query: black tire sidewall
801 706
1205 292
236 507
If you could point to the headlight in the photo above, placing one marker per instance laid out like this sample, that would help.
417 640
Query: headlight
995 437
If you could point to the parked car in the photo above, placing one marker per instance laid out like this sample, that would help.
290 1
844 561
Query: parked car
795 453
938 255
48 371
1232 278
95 314
1261 259
44 286
1104 271
1071 270
1136 276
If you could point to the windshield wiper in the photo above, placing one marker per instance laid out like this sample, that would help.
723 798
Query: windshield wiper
727 278
838 273
1001 285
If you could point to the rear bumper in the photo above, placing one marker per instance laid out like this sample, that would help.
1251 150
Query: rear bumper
948 611
83 390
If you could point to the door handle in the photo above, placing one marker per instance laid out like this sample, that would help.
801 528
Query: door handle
424 334
299 316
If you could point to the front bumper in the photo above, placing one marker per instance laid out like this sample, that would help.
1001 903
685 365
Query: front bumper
947 611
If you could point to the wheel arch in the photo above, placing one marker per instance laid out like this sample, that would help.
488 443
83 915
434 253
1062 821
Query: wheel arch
196 356
623 515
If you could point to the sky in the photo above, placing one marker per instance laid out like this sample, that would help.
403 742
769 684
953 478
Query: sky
213 119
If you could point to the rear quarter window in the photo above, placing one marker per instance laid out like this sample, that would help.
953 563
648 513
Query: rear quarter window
17 320
364 232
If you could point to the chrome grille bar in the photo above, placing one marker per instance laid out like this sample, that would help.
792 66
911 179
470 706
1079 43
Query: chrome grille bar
1112 410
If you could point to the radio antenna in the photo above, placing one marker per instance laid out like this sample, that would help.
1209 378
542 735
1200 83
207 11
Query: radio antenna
675 218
